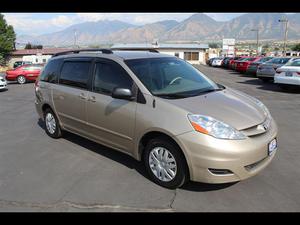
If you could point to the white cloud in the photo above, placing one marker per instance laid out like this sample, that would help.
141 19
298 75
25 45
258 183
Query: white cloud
62 21
25 24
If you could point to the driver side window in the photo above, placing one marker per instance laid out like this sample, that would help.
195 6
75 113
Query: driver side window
109 75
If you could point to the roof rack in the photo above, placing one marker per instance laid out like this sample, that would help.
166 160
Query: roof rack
136 49
76 51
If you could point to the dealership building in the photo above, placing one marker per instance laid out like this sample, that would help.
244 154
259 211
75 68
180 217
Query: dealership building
193 53
33 55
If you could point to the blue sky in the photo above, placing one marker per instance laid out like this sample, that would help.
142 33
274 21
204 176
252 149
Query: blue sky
41 23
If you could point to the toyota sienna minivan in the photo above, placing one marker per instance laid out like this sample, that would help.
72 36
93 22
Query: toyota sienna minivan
160 110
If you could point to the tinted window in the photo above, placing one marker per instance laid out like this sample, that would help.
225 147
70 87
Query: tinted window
265 59
109 75
51 71
75 74
279 60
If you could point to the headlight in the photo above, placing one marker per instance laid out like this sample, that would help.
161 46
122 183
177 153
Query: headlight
215 128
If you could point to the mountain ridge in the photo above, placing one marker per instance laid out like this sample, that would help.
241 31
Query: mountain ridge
198 27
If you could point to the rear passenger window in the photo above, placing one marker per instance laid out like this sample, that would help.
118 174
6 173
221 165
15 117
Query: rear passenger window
110 75
51 71
75 74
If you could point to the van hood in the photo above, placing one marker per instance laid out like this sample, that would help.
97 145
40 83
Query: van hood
229 106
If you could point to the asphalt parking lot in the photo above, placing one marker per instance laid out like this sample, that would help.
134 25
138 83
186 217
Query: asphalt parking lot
38 173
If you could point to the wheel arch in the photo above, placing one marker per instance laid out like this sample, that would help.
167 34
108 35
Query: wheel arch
155 134
46 106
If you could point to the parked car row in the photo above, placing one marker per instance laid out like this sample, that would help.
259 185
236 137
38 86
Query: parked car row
284 71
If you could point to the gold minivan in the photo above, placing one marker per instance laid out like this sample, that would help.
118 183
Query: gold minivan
158 109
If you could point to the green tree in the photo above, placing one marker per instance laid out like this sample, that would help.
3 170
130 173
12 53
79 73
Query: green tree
213 45
31 46
7 39
28 46
296 47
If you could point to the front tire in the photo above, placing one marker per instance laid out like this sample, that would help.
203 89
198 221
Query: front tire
165 163
21 79
52 126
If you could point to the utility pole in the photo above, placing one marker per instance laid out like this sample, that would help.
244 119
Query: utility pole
257 47
286 21
75 38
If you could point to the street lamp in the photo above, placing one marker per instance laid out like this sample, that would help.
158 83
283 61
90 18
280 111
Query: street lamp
286 21
257 31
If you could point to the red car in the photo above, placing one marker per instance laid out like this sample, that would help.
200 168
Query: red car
24 73
242 65
234 60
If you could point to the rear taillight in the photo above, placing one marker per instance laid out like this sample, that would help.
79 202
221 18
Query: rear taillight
298 73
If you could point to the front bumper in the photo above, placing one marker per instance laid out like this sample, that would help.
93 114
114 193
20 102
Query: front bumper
237 156
10 77
3 86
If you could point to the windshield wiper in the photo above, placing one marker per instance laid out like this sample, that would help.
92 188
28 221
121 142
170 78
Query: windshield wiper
208 91
185 95
172 95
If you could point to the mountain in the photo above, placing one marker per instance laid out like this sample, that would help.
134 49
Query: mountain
85 33
198 27
144 33
267 23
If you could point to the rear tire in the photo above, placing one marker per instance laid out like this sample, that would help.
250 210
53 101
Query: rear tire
52 126
21 79
171 157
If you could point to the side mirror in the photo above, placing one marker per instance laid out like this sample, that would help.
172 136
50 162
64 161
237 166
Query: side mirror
122 93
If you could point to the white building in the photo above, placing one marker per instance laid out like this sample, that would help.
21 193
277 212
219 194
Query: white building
193 53
33 55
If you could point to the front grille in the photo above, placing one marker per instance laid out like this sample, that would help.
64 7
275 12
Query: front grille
258 129
254 165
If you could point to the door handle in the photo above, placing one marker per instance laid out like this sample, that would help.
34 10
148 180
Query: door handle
82 96
92 99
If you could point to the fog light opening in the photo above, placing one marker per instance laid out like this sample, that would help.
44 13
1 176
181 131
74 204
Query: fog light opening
220 171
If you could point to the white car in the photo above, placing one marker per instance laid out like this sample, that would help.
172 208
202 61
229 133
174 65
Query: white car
3 83
217 62
288 76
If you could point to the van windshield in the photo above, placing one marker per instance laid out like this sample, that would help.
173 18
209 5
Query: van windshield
171 77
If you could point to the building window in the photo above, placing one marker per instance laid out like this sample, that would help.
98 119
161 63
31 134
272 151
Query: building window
44 60
36 60
193 56
177 54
